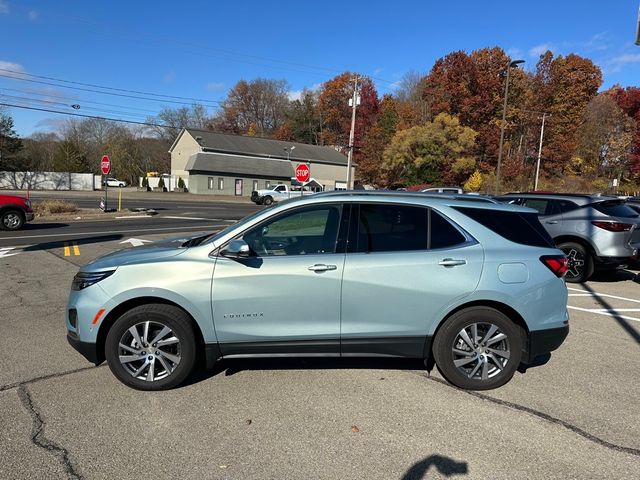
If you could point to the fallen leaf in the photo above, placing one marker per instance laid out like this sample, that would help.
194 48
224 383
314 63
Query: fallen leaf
354 429
248 421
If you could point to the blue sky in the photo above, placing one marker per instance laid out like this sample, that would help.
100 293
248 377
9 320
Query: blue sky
201 48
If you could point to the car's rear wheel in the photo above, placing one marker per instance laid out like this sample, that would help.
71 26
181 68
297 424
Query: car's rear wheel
11 220
579 262
478 348
151 347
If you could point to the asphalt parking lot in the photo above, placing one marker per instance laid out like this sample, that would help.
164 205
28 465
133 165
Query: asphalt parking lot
575 417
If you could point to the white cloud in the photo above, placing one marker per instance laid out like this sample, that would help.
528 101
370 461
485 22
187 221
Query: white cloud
540 49
4 8
377 71
294 95
15 68
169 77
215 86
515 53
33 15
618 63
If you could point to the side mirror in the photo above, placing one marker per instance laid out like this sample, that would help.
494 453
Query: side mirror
237 249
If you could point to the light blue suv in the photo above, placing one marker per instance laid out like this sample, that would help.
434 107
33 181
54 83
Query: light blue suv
474 286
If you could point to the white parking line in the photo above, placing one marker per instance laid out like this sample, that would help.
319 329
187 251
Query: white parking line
596 294
608 313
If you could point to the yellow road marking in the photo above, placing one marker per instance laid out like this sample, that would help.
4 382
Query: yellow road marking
67 249
67 252
76 249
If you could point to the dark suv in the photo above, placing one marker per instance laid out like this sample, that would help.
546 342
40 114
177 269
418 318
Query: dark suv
594 232
14 212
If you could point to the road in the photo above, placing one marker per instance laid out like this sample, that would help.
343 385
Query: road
575 417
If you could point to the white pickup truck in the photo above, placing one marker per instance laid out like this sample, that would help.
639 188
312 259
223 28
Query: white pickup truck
276 194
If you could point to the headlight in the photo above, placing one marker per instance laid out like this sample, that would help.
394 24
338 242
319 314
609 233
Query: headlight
86 279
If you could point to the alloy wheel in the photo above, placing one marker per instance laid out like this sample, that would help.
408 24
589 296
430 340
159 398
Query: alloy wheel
149 351
575 263
11 220
481 351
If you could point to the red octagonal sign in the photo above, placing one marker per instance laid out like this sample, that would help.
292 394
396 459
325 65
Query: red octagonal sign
302 172
105 165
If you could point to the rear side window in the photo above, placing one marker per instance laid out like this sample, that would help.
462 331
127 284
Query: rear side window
390 228
522 228
615 209
543 206
443 234
567 206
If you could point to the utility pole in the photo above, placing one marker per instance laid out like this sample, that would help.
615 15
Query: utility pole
354 102
535 184
514 63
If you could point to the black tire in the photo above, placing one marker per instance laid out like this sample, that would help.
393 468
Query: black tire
267 200
160 316
468 375
12 219
579 260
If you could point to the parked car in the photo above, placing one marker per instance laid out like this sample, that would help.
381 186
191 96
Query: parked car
114 182
595 232
15 211
476 287
456 190
276 194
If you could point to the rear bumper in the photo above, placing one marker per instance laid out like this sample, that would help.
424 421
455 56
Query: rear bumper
545 341
86 349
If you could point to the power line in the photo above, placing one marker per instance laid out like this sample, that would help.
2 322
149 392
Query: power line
106 88
158 100
85 116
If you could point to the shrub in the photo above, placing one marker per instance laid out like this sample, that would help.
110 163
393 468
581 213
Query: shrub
161 183
49 207
145 182
180 182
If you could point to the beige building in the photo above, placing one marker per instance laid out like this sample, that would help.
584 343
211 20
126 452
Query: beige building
216 163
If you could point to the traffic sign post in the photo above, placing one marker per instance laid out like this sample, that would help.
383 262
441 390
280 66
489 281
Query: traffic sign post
105 167
302 175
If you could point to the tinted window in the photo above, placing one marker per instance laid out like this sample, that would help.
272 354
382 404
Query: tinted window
543 206
615 209
523 228
389 228
302 232
443 234
567 206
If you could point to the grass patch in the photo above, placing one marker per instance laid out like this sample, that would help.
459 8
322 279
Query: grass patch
51 207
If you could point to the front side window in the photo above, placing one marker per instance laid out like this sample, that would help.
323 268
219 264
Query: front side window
390 228
308 231
280 188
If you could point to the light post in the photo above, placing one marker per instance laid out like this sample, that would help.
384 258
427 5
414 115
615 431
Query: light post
535 184
289 150
511 64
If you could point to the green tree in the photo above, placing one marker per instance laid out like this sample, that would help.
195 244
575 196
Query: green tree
10 145
439 150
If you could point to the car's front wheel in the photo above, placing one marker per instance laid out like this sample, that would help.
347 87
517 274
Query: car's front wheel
478 348
151 347
267 200
11 220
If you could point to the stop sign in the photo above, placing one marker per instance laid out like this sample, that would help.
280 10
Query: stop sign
302 172
105 165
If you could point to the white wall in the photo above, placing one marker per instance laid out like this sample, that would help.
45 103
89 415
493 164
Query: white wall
46 181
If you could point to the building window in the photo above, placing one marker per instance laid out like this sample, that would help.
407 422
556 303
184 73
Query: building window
220 183
255 185
267 184
210 183
238 186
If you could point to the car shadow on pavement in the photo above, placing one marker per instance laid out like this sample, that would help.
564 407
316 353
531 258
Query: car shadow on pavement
79 241
633 333
443 465
41 226
230 367
615 276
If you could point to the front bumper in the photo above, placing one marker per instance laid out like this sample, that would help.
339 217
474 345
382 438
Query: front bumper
29 216
87 350
545 341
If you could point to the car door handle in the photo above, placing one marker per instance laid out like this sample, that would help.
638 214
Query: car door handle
551 222
321 267
451 262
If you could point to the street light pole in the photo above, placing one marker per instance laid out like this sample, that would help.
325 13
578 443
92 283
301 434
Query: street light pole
535 184
514 63
354 100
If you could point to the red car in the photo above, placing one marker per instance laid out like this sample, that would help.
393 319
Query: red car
14 212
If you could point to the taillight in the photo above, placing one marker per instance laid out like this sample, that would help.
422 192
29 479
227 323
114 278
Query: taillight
613 226
556 263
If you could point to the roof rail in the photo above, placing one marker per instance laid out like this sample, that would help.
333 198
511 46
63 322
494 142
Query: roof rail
401 193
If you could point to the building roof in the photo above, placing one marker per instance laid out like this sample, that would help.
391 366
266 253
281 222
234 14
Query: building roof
239 165
263 147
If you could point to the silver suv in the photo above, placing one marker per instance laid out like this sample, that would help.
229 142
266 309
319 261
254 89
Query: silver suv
594 232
